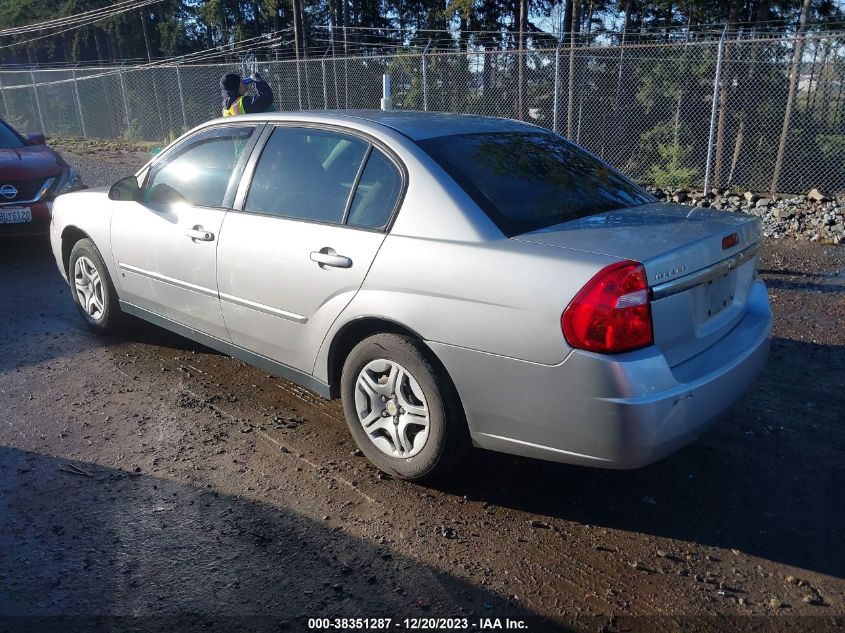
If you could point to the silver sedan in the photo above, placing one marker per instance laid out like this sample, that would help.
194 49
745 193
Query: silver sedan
456 280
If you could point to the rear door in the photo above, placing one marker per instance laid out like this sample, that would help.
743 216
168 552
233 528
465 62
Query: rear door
165 246
309 224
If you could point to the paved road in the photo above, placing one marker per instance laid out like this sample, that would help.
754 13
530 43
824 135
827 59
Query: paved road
143 475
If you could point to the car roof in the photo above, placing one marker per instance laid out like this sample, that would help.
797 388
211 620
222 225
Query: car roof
418 125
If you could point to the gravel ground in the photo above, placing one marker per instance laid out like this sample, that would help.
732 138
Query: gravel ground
146 477
104 167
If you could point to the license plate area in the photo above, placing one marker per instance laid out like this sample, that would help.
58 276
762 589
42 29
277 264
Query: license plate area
15 215
721 292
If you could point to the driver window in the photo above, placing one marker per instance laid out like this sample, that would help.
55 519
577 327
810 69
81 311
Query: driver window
198 172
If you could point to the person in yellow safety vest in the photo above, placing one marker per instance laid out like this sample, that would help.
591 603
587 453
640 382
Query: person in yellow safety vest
235 99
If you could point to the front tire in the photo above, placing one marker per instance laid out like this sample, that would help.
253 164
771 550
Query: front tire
92 288
402 409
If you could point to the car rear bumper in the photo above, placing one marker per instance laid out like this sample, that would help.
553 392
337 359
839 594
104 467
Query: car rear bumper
622 411
40 224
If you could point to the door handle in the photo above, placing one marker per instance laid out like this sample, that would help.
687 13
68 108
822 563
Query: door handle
328 258
199 233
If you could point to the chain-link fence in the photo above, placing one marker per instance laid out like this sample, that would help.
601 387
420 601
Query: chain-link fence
744 113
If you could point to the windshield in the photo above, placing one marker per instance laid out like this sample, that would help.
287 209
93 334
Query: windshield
529 180
8 138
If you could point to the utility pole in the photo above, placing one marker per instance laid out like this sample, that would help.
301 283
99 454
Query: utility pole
297 28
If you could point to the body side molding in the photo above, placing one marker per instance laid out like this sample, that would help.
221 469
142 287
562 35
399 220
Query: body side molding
262 362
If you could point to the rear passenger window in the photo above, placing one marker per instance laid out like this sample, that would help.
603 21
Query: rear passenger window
377 193
306 174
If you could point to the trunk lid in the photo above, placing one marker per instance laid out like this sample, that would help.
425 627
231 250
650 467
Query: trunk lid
699 288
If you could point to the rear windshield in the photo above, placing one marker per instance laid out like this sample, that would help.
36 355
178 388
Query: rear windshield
530 180
8 138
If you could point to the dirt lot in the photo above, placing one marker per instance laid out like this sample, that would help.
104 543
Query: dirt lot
146 477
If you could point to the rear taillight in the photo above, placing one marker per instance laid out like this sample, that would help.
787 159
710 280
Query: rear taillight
612 313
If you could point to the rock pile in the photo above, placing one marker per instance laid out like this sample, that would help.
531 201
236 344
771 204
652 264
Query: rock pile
815 216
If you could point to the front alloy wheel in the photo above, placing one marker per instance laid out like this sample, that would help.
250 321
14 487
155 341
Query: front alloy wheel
92 289
89 288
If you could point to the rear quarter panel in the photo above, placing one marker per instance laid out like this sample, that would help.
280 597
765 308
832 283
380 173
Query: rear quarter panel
495 296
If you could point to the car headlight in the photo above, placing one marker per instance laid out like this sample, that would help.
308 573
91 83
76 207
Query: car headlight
70 181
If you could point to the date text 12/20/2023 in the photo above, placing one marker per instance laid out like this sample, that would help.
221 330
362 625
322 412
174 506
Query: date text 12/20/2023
416 624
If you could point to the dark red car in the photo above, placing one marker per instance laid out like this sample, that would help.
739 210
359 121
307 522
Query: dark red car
31 176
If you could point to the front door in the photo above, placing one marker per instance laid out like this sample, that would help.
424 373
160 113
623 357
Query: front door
165 245
312 221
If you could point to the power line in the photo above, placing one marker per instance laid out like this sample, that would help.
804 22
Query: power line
93 14
244 46
138 5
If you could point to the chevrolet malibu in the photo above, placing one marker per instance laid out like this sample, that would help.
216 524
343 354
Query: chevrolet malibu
455 280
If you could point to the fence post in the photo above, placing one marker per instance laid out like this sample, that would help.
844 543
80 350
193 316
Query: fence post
334 74
304 60
298 82
716 81
570 80
557 87
78 103
5 105
325 89
181 97
612 127
37 101
125 103
425 75
345 68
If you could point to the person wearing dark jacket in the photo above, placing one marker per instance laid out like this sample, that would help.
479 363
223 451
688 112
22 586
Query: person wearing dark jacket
235 99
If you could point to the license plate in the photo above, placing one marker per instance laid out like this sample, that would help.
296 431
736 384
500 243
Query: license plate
721 293
15 215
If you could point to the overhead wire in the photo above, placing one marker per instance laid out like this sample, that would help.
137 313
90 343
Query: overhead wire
141 4
93 14
206 55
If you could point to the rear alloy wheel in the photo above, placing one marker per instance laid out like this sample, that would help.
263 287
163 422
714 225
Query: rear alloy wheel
391 408
91 287
401 408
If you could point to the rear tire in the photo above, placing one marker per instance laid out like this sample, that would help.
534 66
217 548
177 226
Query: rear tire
401 408
92 289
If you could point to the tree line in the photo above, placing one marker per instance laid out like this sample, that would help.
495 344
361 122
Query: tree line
181 27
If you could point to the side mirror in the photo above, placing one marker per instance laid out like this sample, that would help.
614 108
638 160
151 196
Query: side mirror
36 138
126 189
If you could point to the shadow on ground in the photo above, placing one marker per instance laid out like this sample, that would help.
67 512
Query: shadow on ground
83 540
